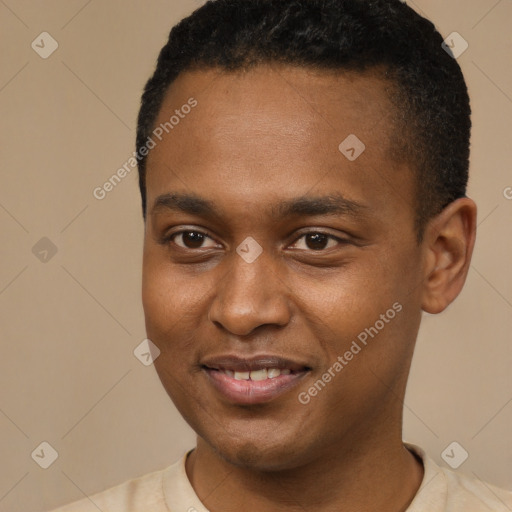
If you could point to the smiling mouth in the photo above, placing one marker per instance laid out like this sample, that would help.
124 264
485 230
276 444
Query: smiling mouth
255 375
253 381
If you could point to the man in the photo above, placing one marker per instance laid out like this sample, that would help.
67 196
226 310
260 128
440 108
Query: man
303 168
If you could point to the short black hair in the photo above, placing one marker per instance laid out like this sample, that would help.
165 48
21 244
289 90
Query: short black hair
432 114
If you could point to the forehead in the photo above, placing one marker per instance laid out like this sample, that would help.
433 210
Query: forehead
277 128
290 99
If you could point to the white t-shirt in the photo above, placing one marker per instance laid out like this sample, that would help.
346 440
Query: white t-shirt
169 490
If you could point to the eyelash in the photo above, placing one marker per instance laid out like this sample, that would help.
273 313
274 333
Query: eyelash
170 238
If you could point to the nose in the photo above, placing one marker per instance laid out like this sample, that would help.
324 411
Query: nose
250 295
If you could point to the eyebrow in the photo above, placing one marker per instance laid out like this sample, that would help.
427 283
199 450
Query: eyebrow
332 204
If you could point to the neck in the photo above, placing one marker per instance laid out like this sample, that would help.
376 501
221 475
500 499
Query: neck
370 473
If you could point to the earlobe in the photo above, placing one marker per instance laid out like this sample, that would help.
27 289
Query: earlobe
449 240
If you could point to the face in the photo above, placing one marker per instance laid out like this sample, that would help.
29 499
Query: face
281 273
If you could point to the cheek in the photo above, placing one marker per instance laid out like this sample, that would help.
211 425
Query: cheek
349 305
160 301
349 297
174 304
156 299
164 295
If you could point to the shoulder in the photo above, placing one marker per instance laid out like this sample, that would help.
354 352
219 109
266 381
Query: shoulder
142 493
444 490
468 493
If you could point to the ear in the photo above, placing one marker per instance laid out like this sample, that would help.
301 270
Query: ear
448 244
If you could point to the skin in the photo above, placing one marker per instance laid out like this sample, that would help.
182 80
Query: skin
258 138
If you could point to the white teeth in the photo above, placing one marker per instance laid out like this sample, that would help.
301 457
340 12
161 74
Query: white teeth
265 373
273 372
259 374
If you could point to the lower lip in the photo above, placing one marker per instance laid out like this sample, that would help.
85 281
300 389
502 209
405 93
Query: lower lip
247 392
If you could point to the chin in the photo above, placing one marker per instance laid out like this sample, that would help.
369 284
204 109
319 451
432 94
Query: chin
258 454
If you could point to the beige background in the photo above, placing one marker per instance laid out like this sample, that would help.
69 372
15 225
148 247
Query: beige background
69 326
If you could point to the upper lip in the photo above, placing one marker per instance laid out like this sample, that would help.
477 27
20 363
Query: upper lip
247 364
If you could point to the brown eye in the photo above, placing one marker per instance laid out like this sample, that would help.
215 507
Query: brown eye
190 239
317 241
